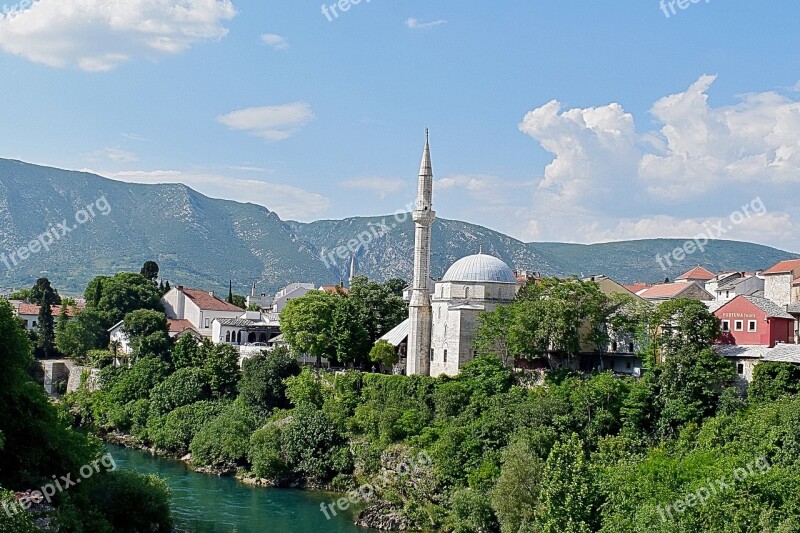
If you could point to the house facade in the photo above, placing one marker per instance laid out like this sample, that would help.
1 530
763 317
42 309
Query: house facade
198 307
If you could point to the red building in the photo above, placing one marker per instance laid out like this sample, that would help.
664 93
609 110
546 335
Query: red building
754 321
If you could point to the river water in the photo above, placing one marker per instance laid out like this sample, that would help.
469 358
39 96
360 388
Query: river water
204 503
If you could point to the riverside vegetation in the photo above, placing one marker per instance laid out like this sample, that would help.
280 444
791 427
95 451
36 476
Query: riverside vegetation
510 452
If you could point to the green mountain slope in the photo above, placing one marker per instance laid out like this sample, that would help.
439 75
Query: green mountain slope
199 241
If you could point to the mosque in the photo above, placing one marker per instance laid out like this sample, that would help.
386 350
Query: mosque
437 338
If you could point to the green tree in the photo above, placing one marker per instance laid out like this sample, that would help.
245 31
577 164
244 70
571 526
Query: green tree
186 352
133 502
515 497
221 364
684 323
384 354
184 387
46 297
351 340
82 334
567 495
148 334
150 271
306 323
689 385
262 385
772 381
121 294
43 290
380 306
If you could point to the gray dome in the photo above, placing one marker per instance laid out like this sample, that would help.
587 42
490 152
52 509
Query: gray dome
480 267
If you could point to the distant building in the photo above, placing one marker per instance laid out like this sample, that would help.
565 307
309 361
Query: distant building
29 313
263 300
673 291
198 307
290 292
782 284
752 328
698 274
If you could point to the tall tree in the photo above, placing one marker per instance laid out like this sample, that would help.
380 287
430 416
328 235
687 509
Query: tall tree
381 308
116 296
42 289
45 326
306 323
350 336
230 291
150 271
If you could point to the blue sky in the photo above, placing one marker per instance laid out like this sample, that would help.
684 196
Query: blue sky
570 121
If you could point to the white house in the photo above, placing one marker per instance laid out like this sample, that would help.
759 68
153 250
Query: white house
263 300
248 328
29 313
290 292
177 329
198 307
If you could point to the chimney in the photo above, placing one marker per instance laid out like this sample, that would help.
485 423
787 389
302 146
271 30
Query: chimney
211 293
180 303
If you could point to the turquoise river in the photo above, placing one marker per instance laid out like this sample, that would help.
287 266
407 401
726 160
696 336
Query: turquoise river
204 503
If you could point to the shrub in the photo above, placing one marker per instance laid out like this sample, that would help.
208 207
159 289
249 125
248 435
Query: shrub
186 386
174 432
226 438
265 452
132 502
262 384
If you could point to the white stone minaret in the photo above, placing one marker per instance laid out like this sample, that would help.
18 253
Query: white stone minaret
419 335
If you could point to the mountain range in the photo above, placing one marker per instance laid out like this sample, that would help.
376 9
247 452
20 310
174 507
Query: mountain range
204 242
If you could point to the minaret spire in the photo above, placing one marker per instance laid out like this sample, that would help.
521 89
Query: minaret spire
420 312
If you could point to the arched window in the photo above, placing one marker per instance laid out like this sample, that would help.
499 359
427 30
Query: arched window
466 293
228 336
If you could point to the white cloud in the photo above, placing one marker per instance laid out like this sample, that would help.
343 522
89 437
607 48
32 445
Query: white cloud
112 153
288 201
275 41
271 123
415 24
702 158
135 137
381 187
99 35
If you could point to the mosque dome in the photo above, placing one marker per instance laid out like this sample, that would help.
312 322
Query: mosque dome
480 268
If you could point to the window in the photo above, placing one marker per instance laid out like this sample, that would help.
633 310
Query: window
466 293
738 325
726 326
628 365
445 356
208 323
228 337
752 325
630 347
614 346
431 354
740 369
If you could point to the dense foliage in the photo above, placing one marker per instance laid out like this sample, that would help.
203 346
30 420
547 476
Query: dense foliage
509 452
36 443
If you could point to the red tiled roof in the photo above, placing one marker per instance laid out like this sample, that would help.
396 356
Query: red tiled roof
665 290
784 267
33 309
178 326
206 302
638 286
698 272
334 289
